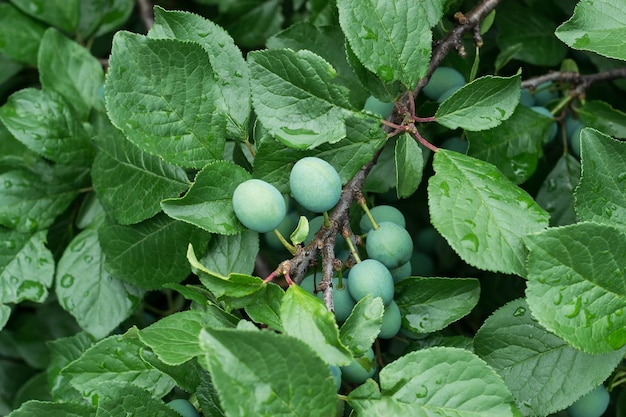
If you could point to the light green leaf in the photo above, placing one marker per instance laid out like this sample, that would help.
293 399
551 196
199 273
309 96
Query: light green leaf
116 358
305 317
301 232
392 42
515 146
601 116
131 183
438 381
208 203
26 267
70 70
544 373
228 64
596 26
130 250
556 194
62 352
34 193
267 374
5 313
409 166
60 13
98 301
430 304
577 284
44 122
482 104
601 194
53 409
124 398
232 254
362 326
266 308
482 215
296 98
111 14
163 95
19 35
526 33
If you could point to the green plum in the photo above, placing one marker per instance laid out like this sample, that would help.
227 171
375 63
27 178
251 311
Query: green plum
315 184
401 272
593 404
382 213
370 277
456 144
574 141
360 369
335 371
381 108
183 407
545 93
526 98
446 94
342 300
553 127
392 321
390 244
259 205
442 80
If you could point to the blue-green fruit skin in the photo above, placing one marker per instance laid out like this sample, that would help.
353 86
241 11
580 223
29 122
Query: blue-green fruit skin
315 184
455 144
545 94
183 407
442 80
382 213
259 205
342 299
335 371
360 369
526 98
553 127
401 272
379 107
392 321
446 94
574 141
370 277
593 404
390 244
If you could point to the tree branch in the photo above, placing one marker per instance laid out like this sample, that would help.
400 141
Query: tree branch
579 81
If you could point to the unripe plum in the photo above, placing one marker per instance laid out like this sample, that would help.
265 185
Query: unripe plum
382 213
315 184
553 127
342 300
442 80
390 244
183 407
593 404
379 107
360 369
370 277
544 93
392 321
259 205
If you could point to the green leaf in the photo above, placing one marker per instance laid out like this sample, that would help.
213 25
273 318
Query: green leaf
116 358
62 352
482 215
123 398
163 95
528 33
131 183
19 35
596 26
234 285
329 43
60 13
110 14
70 70
362 326
296 98
305 317
267 374
409 166
251 22
576 281
430 304
266 308
601 116
34 193
515 146
53 409
226 60
274 161
208 397
26 267
482 104
601 196
98 301
5 313
301 231
44 122
232 254
439 381
130 250
556 194
384 91
392 42
208 203
543 372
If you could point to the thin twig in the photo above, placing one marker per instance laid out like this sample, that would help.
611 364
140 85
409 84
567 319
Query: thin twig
146 13
579 81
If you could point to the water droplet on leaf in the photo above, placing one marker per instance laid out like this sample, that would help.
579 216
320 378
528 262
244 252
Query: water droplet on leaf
519 312
470 242
385 73
67 281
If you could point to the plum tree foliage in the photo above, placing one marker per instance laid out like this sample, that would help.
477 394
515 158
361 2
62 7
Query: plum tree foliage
447 179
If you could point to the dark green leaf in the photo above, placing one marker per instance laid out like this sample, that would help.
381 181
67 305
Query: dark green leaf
236 253
60 13
601 116
362 326
131 183
163 95
556 194
266 308
53 409
62 352
576 281
544 373
208 203
130 250
123 398
19 35
409 166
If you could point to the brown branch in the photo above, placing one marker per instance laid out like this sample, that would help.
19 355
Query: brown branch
579 81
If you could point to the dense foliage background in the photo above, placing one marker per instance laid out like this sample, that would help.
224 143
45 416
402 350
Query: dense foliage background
128 282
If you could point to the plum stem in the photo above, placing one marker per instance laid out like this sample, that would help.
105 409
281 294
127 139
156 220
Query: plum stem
291 248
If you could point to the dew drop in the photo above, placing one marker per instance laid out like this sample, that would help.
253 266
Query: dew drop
519 312
14 280
88 258
7 184
421 391
385 73
551 184
69 303
203 34
78 246
445 189
67 281
31 224
558 299
28 259
621 177
9 244
470 242
575 308
31 290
